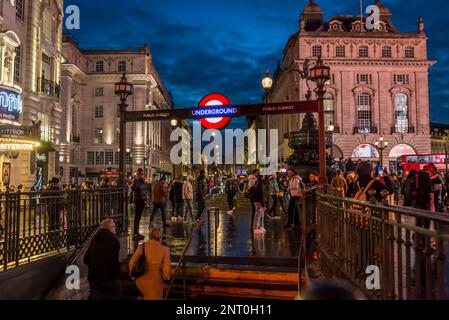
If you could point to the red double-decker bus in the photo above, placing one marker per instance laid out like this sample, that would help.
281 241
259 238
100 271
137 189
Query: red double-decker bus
417 162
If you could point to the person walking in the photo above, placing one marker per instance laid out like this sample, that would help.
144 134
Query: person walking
178 201
274 192
407 188
140 198
102 259
160 194
295 189
231 190
260 199
249 192
338 185
366 181
187 195
201 190
157 258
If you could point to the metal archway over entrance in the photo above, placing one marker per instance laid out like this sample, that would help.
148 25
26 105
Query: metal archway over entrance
245 110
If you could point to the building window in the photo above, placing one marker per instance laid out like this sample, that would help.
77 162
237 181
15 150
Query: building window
99 92
90 157
363 52
129 158
316 51
47 67
46 25
117 157
74 120
18 64
99 66
328 110
400 79
386 52
109 158
401 112
20 9
410 52
99 112
117 112
364 122
99 158
364 79
45 126
98 138
122 66
340 51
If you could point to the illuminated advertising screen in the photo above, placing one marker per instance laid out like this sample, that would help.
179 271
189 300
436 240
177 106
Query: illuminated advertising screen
10 105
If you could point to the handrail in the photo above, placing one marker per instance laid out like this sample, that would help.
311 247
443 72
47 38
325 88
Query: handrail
184 253
301 243
417 213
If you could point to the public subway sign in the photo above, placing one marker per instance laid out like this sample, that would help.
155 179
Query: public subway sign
10 105
218 116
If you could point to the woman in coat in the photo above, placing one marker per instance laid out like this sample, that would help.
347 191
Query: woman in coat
158 266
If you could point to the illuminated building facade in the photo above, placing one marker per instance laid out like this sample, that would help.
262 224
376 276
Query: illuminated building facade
30 56
90 145
378 87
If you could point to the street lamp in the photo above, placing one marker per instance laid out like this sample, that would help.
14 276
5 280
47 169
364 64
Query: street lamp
123 90
320 74
331 130
267 84
174 123
381 145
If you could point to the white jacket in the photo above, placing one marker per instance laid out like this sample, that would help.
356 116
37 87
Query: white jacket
187 191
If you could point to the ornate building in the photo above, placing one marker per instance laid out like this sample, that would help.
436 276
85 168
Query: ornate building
30 37
379 84
91 118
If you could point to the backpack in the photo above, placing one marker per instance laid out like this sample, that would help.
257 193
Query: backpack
361 194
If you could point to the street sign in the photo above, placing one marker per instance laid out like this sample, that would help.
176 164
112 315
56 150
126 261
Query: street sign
224 111
210 101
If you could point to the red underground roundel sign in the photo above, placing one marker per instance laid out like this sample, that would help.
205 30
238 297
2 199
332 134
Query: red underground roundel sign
214 99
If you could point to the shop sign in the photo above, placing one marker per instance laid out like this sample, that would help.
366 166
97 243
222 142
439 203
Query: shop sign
10 105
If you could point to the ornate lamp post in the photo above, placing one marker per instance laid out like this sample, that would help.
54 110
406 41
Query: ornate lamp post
320 74
123 90
381 145
267 84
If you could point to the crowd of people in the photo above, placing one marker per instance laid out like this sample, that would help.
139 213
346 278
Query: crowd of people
426 189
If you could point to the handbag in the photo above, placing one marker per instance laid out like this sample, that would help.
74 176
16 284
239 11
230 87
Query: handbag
141 266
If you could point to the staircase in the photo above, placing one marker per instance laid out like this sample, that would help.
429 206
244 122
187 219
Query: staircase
248 279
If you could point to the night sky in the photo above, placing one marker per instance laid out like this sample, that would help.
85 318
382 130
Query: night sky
203 46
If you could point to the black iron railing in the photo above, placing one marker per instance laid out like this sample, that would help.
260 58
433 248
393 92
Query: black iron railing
399 129
36 225
387 252
48 87
365 130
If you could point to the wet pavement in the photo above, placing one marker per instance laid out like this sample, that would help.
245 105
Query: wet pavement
234 235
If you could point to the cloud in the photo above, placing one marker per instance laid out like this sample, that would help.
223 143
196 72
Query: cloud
205 46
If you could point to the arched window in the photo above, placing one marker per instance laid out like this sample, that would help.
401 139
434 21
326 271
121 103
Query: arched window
401 112
364 115
328 110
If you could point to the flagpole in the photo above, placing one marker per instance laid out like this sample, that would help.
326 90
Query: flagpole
361 12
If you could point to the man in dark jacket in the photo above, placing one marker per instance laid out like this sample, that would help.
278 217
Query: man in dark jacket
178 202
102 258
350 166
201 190
140 197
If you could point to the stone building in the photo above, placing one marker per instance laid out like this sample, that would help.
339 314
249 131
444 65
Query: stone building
440 138
90 145
379 83
30 37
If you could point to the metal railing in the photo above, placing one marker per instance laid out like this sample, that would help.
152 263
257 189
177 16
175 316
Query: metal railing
48 87
181 266
39 224
408 247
